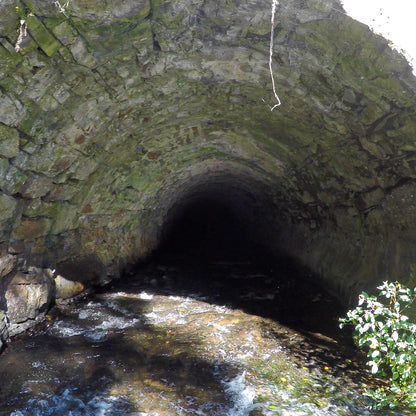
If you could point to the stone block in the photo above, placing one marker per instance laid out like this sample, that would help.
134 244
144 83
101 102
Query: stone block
12 111
7 207
4 167
65 218
4 333
35 187
8 17
14 181
46 41
31 229
9 142
7 264
84 168
28 297
60 192
66 289
39 208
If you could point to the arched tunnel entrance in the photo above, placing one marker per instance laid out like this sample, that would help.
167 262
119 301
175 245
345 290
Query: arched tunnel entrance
220 241
222 213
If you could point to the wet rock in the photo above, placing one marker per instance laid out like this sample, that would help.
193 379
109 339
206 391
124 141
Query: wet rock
28 297
87 269
66 289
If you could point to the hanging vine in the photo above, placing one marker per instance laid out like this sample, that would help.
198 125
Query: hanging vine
275 3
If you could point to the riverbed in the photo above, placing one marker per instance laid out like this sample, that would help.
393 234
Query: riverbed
218 339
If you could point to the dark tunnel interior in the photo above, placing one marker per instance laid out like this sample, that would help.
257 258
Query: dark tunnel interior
217 245
209 231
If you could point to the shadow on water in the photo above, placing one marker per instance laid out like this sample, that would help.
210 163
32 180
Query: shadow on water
206 252
298 311
206 255
86 374
139 366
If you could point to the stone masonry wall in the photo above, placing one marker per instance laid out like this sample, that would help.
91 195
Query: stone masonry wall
114 112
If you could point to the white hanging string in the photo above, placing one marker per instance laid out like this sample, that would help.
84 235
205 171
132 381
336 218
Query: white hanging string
278 102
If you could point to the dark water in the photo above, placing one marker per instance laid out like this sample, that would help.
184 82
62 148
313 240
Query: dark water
214 338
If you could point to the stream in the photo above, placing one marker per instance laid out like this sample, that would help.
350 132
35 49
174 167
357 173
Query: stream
217 339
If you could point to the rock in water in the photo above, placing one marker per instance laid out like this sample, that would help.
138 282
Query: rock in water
28 297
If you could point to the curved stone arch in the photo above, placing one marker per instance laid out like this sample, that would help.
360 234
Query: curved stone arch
107 113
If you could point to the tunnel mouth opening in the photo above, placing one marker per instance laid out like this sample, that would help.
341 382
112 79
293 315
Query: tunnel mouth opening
208 231
216 244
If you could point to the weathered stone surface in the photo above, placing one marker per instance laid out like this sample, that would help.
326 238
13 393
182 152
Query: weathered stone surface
9 142
46 41
66 288
7 264
15 179
7 208
28 297
35 186
117 118
4 167
12 110
30 229
4 333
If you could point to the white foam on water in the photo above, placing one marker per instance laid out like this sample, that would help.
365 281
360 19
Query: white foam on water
158 317
67 404
96 336
65 329
222 309
84 314
145 296
91 311
118 295
177 298
153 317
242 395
38 364
117 322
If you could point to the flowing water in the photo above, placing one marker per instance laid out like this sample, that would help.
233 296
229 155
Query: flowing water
222 339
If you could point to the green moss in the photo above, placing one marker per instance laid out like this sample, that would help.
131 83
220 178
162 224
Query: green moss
51 22
9 61
64 218
31 114
42 36
38 208
298 382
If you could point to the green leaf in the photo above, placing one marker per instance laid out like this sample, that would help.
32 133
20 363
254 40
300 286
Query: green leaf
389 340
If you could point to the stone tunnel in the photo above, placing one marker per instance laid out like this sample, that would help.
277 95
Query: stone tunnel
117 118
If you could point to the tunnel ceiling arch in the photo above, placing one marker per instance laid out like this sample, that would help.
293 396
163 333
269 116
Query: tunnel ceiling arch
103 110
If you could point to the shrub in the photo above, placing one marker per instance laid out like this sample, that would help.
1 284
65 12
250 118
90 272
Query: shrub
389 338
